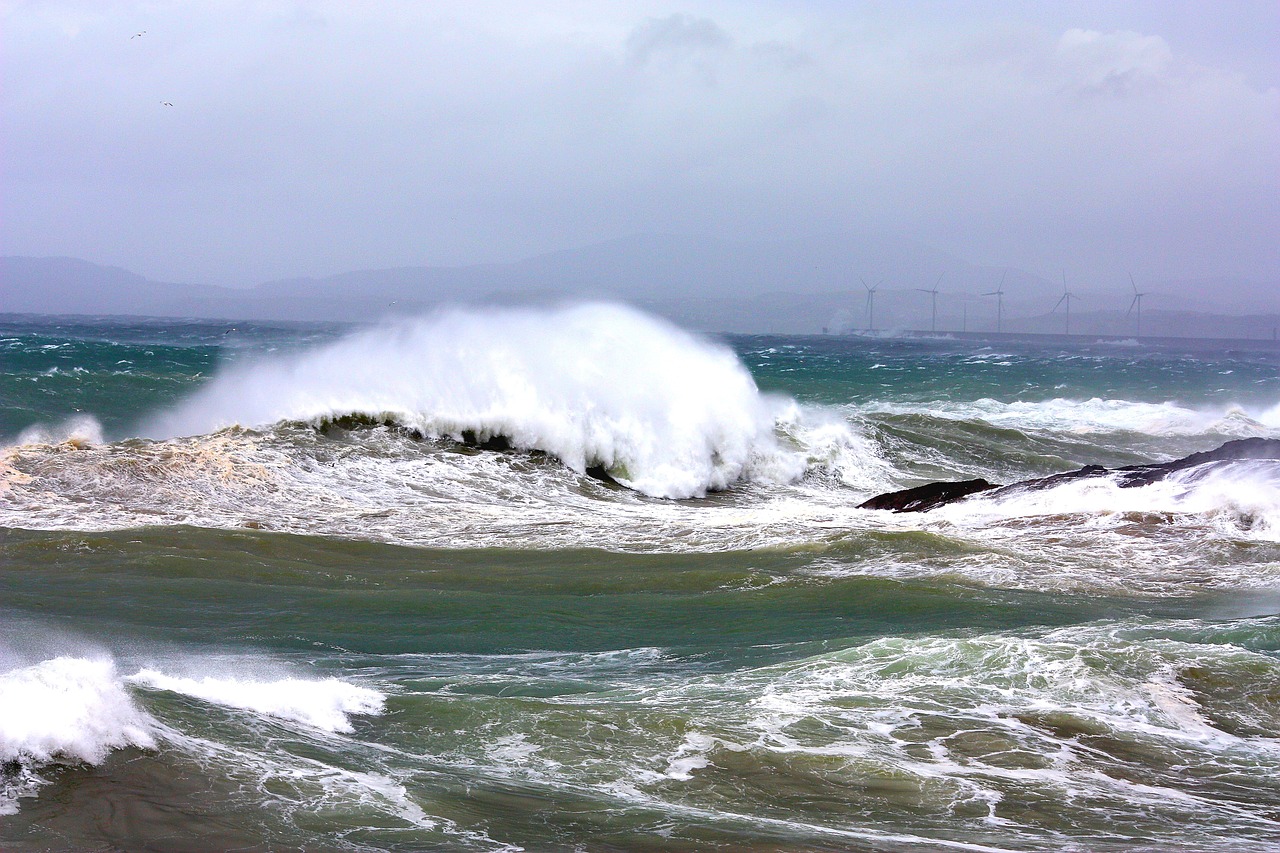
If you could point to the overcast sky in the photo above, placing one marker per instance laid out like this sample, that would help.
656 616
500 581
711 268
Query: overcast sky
308 138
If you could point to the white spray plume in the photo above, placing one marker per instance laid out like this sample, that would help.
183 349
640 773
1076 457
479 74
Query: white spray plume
79 430
663 411
68 708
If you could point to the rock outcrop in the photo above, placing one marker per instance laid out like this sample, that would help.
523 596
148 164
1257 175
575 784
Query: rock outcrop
933 495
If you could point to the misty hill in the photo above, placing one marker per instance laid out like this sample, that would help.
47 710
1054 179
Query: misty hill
652 268
755 286
801 286
73 286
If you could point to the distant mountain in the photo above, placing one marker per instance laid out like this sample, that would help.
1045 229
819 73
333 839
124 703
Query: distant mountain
803 285
651 267
73 286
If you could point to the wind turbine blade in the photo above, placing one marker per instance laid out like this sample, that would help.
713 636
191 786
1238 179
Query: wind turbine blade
1058 304
1136 297
1133 283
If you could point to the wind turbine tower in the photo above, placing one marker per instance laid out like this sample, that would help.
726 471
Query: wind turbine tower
1067 296
998 293
933 319
871 303
1136 304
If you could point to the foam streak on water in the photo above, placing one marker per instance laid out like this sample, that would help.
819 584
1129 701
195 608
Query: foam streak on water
576 579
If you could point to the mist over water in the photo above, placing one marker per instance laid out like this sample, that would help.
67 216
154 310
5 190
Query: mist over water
576 578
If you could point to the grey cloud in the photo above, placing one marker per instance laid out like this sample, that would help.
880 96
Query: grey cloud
678 34
323 137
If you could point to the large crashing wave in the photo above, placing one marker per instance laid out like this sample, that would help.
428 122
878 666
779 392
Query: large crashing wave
662 411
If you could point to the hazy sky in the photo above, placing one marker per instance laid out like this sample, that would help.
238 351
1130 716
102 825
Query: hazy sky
308 138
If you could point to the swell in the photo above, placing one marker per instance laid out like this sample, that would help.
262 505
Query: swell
300 594
1072 737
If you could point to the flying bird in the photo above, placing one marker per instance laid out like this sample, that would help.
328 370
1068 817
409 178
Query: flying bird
138 35
167 104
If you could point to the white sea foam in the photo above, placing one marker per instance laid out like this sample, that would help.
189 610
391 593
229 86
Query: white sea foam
665 412
991 704
964 727
1244 497
68 708
325 704
1097 415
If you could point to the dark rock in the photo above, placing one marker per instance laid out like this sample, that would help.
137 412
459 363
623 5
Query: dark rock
1232 451
927 497
933 495
1052 480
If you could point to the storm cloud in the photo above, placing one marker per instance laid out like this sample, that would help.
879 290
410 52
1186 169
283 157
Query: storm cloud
311 138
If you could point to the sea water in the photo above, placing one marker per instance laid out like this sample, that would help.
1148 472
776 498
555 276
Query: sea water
577 579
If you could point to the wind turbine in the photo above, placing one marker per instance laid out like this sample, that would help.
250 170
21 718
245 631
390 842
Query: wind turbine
998 293
1136 303
933 319
1067 296
871 303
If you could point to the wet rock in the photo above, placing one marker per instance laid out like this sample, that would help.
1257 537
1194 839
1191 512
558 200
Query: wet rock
933 495
927 497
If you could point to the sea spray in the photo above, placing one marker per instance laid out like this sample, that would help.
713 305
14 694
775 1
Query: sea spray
79 431
597 386
68 708
1243 498
1096 415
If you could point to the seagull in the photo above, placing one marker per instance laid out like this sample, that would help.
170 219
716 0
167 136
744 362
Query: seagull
167 104
138 35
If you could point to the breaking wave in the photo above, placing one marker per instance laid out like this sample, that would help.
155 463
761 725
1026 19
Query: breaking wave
1242 497
1098 415
597 386
78 709
80 430
68 707
325 704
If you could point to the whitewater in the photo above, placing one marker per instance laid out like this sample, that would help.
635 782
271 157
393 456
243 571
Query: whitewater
576 577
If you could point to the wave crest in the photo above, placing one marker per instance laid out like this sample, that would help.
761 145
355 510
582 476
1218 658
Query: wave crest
1097 415
68 708
597 386
325 704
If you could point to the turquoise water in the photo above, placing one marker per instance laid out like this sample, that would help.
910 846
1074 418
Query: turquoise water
577 580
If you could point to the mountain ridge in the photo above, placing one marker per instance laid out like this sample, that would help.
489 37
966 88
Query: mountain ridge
715 285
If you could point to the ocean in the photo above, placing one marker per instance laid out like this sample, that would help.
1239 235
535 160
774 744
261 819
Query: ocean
575 579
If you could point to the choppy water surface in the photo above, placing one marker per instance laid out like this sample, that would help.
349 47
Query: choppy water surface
577 579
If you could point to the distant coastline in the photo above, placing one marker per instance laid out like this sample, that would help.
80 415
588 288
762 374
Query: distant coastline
1084 338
